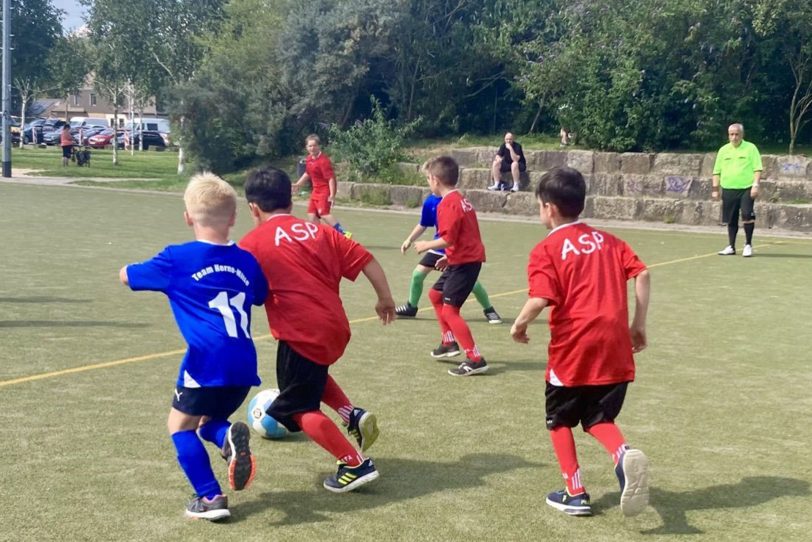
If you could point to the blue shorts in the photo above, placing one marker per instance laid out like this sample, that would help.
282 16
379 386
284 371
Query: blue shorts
215 402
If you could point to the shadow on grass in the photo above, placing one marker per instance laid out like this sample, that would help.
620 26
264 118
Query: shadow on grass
401 479
67 323
42 299
673 506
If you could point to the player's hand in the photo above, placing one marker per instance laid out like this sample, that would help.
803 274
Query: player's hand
331 199
441 264
405 246
385 308
421 247
754 191
639 341
519 334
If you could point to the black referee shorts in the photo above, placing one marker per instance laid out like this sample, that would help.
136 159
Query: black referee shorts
587 405
301 385
735 200
457 282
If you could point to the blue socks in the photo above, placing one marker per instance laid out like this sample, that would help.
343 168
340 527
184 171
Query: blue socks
338 228
195 463
214 431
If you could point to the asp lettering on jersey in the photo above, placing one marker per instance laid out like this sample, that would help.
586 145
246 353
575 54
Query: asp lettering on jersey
587 244
298 231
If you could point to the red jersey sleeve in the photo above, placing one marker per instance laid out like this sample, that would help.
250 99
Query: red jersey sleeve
352 256
542 276
632 264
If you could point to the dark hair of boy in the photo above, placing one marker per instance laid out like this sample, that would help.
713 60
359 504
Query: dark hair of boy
268 188
445 169
565 188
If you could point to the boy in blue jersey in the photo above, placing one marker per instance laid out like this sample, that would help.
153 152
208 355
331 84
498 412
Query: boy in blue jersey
428 219
211 284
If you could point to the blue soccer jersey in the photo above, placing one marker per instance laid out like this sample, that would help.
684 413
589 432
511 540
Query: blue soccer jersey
428 218
211 289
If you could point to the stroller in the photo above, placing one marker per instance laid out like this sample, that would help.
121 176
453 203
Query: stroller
81 155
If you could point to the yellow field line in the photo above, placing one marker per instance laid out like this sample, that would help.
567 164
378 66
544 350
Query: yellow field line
149 357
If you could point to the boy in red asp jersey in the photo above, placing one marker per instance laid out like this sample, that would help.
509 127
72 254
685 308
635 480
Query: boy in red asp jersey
581 273
304 264
319 171
458 234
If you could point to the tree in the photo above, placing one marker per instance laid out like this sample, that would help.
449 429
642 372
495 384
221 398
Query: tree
35 31
68 65
786 25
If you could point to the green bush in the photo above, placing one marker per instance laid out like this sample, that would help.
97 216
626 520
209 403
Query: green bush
370 147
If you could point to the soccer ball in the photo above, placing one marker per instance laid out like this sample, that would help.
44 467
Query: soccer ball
259 421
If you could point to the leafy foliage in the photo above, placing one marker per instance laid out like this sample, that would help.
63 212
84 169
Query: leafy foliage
370 146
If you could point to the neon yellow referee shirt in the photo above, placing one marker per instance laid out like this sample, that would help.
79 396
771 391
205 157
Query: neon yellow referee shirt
737 165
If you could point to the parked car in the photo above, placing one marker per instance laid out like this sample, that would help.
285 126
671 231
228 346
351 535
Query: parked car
33 129
101 139
49 127
151 139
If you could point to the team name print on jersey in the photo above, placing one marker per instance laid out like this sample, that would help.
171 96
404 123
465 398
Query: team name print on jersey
587 244
466 205
300 231
217 268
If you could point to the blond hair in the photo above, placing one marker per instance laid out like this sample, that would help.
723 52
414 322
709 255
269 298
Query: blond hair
313 137
210 201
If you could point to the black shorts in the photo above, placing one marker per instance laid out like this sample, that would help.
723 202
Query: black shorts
507 163
216 402
67 151
587 405
301 385
457 282
735 200
430 259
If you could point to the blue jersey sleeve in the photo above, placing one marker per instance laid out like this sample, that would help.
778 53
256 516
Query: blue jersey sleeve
154 274
428 217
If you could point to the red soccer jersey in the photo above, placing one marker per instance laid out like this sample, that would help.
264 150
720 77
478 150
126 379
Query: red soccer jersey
458 226
320 171
583 272
304 263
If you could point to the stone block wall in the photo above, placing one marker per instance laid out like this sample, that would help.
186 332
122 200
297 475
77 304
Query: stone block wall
664 187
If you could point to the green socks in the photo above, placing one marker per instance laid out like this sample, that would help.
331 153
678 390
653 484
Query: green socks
416 287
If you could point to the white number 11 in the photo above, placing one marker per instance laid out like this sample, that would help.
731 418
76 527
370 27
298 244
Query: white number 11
222 302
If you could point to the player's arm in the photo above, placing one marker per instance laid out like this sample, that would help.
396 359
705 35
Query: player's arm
417 231
122 276
385 307
756 180
303 179
435 244
332 185
642 289
531 310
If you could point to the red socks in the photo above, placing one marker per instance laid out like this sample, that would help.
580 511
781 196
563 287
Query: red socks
564 446
608 434
335 398
453 326
321 429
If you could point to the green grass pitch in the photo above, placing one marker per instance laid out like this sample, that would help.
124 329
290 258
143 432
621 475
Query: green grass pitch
721 404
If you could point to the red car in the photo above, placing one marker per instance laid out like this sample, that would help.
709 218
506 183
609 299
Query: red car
102 139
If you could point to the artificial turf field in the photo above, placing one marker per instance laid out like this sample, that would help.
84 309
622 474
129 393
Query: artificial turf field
721 404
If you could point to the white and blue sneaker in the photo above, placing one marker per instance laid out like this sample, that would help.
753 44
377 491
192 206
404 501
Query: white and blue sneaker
632 474
572 505
348 478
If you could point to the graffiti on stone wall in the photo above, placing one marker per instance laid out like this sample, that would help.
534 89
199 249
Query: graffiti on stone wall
633 187
676 185
793 168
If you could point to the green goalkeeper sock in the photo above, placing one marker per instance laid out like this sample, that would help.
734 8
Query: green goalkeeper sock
481 296
416 287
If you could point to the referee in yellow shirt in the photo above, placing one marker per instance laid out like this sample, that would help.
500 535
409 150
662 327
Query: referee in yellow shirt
738 171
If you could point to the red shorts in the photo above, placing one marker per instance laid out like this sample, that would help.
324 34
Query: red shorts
319 204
